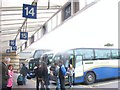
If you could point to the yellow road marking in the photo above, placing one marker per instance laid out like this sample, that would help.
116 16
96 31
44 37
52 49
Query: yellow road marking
33 80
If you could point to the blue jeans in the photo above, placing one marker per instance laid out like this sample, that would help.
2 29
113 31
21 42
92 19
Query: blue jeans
58 83
24 80
70 80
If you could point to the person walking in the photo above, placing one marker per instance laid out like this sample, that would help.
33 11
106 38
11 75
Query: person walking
62 75
56 73
5 75
10 80
24 71
70 74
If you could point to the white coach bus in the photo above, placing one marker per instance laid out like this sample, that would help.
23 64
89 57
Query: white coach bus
91 64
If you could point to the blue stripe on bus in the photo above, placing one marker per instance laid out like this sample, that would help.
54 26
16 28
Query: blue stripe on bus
106 72
101 73
79 79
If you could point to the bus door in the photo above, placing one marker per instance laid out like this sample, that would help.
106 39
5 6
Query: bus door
78 66
72 60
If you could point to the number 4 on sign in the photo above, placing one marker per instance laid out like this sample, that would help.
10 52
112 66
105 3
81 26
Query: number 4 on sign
29 11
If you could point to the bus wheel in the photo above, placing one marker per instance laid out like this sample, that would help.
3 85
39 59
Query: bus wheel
90 78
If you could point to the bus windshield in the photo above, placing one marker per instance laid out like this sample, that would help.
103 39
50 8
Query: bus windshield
38 53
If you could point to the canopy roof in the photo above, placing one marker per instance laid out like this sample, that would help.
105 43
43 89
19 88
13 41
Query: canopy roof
12 20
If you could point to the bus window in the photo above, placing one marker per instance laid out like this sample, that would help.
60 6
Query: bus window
78 61
38 53
102 54
118 54
30 67
86 53
72 60
57 58
115 54
50 56
67 63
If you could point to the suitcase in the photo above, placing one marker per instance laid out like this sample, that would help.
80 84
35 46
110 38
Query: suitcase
20 80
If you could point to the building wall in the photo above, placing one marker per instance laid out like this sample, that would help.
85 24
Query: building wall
93 27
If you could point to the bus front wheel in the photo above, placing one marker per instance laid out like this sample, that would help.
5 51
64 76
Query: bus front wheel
90 78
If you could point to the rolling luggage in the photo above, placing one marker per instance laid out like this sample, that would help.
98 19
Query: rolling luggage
20 80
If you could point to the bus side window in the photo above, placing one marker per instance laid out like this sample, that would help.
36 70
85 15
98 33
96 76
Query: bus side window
115 54
102 54
88 54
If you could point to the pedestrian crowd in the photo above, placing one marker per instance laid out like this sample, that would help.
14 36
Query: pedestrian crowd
60 72
42 74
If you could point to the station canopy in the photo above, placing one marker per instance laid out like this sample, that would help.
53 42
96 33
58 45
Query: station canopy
12 20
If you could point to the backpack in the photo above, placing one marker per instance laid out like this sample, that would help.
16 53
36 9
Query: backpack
62 71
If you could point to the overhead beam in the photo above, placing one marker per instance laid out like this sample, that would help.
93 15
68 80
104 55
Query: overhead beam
22 19
22 23
6 33
13 29
20 8
21 13
19 26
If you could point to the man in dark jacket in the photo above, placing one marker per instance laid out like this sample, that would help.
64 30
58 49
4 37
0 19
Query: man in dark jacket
24 71
41 73
5 75
38 74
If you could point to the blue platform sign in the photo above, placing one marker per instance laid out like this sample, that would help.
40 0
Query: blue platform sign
29 11
12 43
8 51
24 35
14 48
